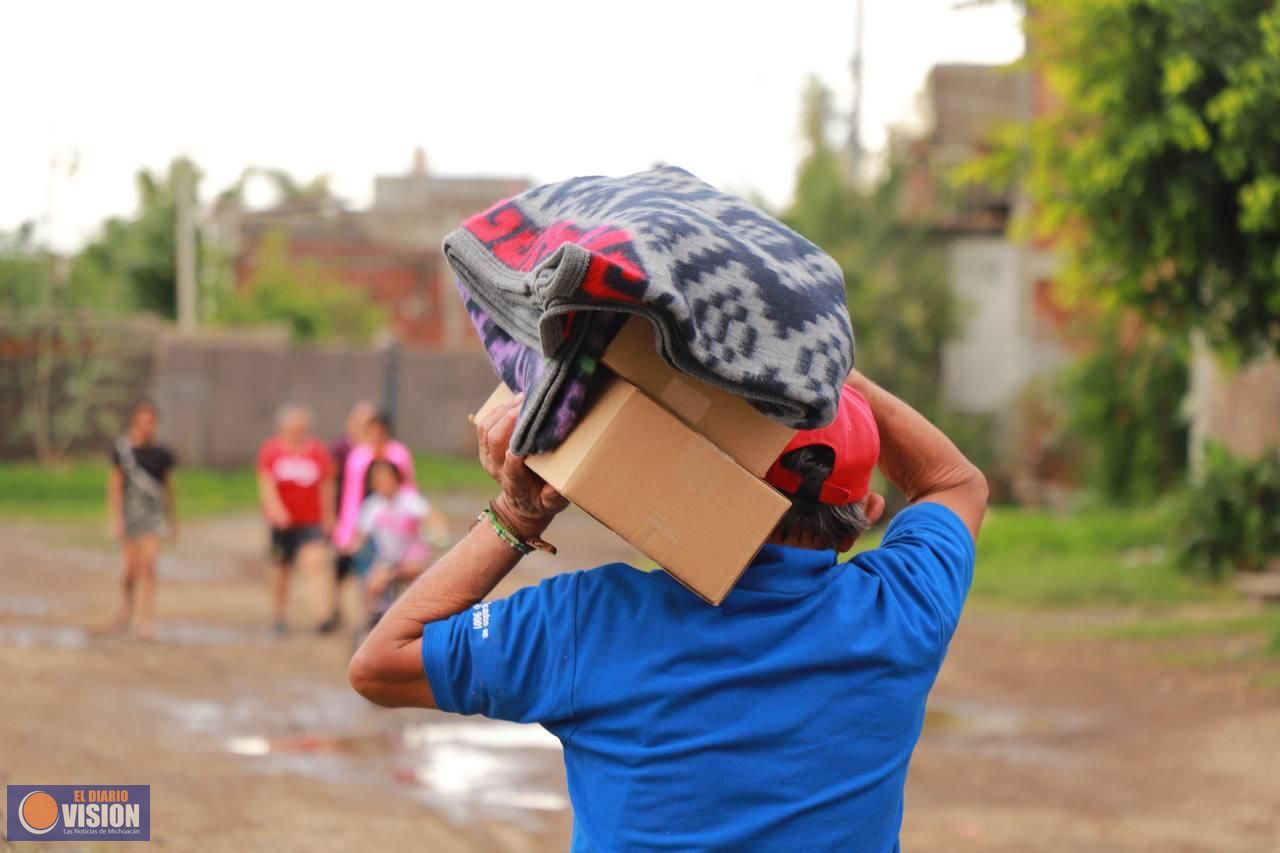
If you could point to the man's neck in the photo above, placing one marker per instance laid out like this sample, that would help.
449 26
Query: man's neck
809 543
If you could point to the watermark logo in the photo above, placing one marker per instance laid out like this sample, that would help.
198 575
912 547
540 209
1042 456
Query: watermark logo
79 813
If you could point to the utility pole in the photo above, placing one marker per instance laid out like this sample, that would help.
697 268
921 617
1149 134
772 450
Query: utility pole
186 242
855 113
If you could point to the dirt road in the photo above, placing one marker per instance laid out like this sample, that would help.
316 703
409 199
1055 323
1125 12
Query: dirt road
252 742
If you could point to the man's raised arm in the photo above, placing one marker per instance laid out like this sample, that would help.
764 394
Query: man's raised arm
920 461
387 669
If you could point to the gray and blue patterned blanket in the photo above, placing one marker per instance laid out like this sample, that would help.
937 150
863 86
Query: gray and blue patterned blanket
736 298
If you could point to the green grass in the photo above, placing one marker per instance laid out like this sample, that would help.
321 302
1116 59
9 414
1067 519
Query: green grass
1210 627
1102 556
77 490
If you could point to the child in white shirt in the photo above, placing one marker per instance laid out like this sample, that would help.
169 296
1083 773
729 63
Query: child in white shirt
392 517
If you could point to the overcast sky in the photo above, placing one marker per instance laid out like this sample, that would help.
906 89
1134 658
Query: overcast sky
545 89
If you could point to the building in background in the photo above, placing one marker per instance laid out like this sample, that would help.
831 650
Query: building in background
1015 334
390 249
1013 331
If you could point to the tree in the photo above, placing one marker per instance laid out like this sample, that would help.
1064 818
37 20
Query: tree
1123 406
130 266
902 308
1156 166
314 305
288 189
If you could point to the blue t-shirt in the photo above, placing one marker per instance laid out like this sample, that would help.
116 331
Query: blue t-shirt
782 720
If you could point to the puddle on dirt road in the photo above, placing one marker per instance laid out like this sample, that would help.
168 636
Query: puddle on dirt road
198 634
1003 732
32 636
976 720
473 769
464 769
23 605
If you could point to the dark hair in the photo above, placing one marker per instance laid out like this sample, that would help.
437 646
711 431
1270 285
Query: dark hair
374 466
826 524
383 419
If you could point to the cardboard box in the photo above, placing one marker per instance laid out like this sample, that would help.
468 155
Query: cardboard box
662 487
731 423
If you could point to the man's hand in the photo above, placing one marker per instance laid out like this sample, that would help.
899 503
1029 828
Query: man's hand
527 501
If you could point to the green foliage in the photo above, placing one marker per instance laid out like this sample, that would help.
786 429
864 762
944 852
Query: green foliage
1232 518
299 294
1157 165
288 189
1124 402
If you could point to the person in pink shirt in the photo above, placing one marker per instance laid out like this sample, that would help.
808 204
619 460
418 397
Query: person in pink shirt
378 444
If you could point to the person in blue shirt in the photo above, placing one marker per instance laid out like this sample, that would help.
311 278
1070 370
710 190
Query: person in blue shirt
783 719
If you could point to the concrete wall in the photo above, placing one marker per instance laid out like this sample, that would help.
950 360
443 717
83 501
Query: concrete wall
984 367
1005 342
219 393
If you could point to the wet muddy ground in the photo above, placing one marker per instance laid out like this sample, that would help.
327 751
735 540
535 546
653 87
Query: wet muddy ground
1036 739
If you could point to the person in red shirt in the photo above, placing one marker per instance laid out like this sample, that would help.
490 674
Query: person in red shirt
295 487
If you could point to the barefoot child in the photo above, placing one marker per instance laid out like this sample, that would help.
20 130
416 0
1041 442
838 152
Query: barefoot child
391 518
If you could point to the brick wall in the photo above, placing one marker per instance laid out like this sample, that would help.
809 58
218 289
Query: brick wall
414 288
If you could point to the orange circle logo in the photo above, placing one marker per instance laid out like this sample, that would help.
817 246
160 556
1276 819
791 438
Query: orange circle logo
38 812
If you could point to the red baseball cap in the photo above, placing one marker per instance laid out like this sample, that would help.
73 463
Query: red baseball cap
856 441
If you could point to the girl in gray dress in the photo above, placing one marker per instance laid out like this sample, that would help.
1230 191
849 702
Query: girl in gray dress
141 501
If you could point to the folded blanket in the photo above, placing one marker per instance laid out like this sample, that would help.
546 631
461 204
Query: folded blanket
736 298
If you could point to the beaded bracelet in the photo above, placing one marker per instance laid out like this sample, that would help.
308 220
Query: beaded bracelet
500 527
